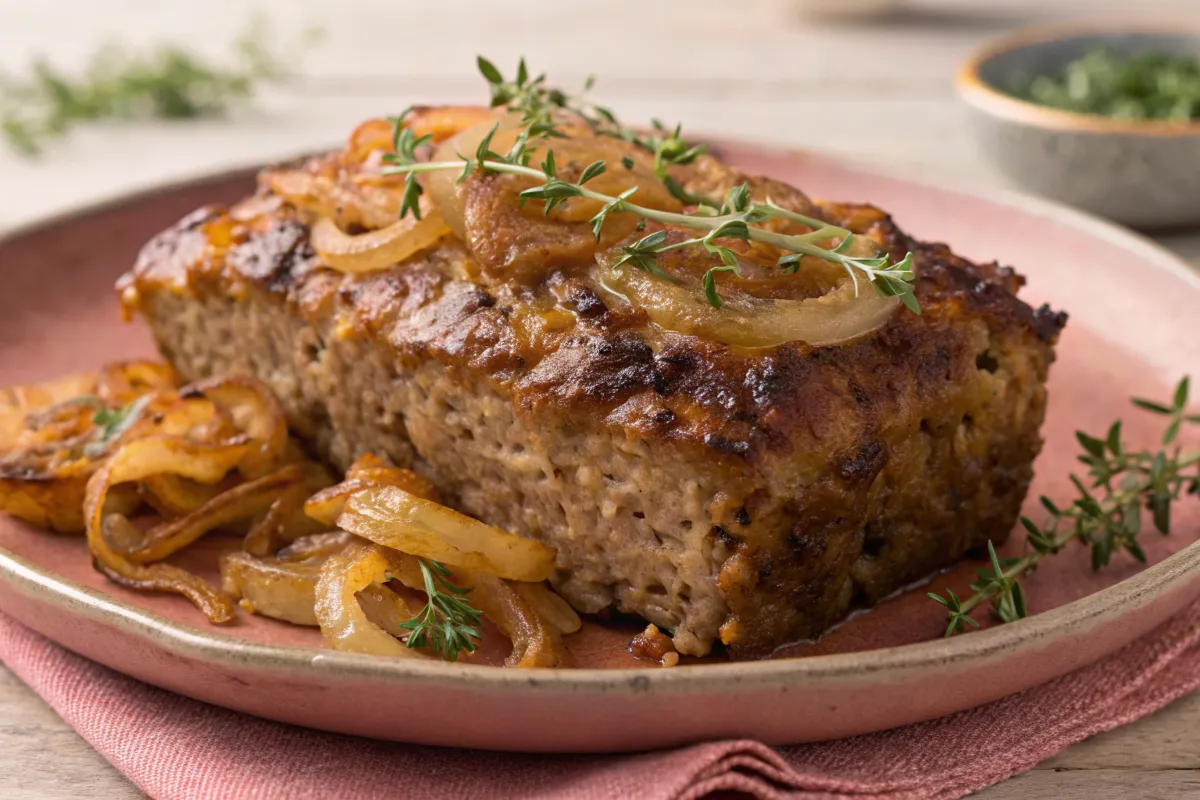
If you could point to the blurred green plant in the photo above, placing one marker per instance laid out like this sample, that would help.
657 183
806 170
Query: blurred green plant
1131 86
168 83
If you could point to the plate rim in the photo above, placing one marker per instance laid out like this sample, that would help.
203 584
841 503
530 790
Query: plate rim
212 646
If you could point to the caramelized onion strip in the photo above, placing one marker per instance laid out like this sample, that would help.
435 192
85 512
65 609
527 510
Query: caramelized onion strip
394 518
123 382
19 402
256 412
378 249
446 191
194 417
158 577
51 505
747 321
442 122
367 473
439 122
536 641
57 504
206 463
241 502
386 609
317 545
280 521
50 444
172 495
282 586
271 589
549 606
343 621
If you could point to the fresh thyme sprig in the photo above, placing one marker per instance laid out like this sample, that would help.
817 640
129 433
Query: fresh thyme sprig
169 83
115 421
537 104
448 624
111 423
735 223
734 217
1105 516
404 147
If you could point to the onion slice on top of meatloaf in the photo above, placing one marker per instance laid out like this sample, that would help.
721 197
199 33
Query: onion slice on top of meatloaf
750 496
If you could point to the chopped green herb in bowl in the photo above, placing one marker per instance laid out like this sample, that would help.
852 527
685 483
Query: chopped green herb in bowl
1131 86
1106 119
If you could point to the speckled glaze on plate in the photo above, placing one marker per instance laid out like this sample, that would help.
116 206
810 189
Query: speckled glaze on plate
1133 329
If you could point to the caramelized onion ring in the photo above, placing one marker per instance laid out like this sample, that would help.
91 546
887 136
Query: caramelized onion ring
57 504
274 526
372 469
207 463
342 619
747 321
50 444
328 504
535 638
170 494
122 383
286 520
271 589
439 122
160 577
256 412
442 122
18 402
51 504
317 545
549 606
379 249
241 502
282 586
386 609
193 417
394 518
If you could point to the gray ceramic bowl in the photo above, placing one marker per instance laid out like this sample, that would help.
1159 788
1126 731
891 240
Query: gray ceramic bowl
1144 174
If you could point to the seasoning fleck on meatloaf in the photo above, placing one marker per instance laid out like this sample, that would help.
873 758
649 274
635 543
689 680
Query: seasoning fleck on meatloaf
747 496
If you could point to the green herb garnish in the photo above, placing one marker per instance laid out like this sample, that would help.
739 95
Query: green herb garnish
1106 516
169 83
448 624
1135 86
731 217
112 422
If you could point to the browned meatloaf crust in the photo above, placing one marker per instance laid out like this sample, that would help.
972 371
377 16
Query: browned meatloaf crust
745 496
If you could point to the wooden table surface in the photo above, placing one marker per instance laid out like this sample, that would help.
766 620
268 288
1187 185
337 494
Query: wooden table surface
759 69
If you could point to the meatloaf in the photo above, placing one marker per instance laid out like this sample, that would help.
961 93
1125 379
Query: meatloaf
750 497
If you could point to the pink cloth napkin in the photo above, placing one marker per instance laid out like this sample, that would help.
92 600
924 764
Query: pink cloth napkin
173 747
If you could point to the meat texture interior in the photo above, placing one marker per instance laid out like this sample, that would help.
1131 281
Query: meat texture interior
723 490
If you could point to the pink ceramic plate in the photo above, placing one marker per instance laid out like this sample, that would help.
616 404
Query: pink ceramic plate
1133 329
